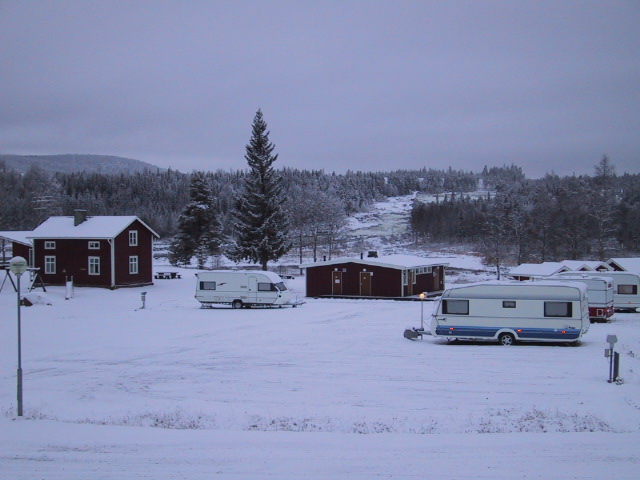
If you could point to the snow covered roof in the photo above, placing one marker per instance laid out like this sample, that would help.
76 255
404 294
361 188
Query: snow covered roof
543 269
628 264
586 265
389 261
18 236
93 227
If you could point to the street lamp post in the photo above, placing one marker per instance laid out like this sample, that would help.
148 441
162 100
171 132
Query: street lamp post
18 266
422 295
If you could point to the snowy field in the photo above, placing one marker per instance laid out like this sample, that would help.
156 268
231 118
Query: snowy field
330 389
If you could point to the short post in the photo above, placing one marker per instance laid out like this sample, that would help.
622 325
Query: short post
18 265
143 295
614 358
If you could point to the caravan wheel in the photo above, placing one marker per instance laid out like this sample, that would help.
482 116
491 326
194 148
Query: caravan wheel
236 304
506 339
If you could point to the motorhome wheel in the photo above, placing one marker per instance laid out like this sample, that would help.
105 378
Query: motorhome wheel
506 339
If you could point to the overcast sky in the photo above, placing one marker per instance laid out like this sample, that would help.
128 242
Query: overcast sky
362 85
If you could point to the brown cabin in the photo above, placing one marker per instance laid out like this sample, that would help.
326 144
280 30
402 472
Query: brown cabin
19 245
392 276
96 251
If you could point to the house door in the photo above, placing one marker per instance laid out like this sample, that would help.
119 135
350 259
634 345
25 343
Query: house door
436 279
336 283
411 282
365 284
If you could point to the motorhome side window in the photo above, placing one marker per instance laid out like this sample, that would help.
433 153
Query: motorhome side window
508 304
557 309
458 307
266 287
207 285
627 289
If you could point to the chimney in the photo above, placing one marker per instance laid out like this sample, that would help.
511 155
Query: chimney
372 254
79 216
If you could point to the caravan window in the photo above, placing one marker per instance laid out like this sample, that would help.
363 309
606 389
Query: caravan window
628 289
458 307
266 287
281 286
207 285
557 309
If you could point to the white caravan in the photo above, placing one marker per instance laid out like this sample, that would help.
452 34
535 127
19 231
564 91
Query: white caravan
512 311
599 291
626 288
243 288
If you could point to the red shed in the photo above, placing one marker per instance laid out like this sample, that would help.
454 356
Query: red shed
391 276
99 251
20 245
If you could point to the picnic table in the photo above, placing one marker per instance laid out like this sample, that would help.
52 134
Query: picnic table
167 275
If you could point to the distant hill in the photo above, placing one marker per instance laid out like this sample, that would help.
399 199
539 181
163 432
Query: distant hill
69 163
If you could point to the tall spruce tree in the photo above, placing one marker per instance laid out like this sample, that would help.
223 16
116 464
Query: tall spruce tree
199 230
260 224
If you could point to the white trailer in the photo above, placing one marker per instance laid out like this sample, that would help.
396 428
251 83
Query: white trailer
243 288
626 288
599 291
512 311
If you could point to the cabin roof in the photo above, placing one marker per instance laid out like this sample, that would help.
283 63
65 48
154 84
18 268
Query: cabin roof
104 227
630 264
543 269
18 236
400 262
587 265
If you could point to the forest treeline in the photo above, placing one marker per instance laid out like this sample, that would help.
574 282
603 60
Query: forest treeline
159 198
547 219
518 219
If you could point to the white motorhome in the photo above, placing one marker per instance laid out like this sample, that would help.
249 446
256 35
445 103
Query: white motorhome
243 288
599 291
626 288
512 311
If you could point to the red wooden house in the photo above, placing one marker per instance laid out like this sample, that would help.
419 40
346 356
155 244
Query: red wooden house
392 276
100 251
20 246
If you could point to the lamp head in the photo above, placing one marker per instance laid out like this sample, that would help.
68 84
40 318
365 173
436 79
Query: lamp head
18 265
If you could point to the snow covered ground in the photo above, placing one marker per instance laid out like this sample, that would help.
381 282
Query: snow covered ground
330 389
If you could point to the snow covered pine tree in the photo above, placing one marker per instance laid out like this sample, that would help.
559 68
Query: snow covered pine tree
199 230
260 225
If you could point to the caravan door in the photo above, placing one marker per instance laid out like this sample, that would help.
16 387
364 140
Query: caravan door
252 293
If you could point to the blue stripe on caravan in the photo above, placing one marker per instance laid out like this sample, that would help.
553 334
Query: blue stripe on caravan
524 333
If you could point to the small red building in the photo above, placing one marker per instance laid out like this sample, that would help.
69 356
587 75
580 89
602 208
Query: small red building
392 276
100 251
20 246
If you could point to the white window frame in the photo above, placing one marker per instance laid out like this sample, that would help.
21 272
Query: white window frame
133 238
50 264
94 245
134 265
49 245
94 265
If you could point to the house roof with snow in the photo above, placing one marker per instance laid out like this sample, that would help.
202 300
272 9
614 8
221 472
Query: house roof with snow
629 264
18 236
400 262
100 227
585 265
543 269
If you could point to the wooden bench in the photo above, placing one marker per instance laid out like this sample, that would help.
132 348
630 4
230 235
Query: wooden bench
167 275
